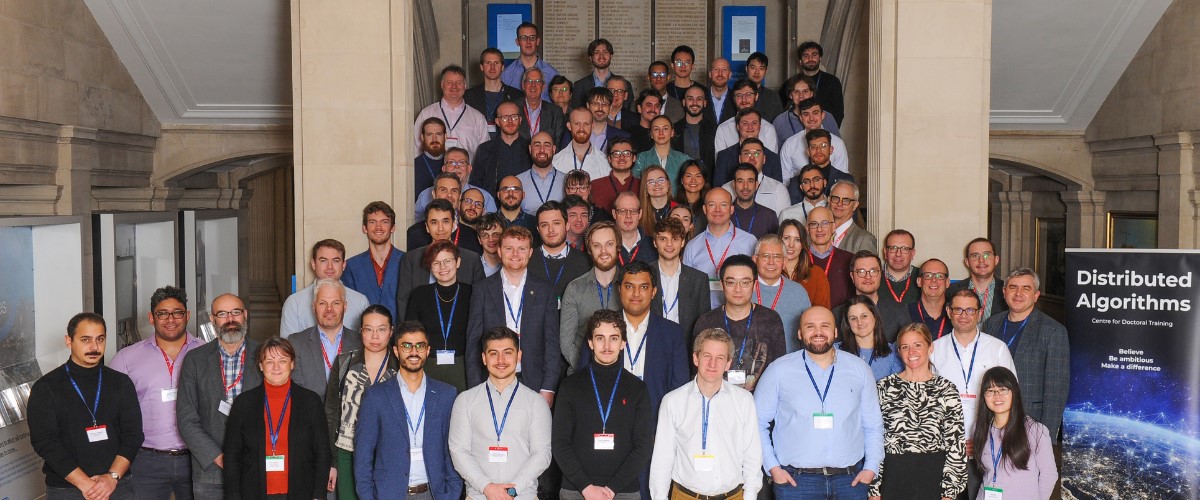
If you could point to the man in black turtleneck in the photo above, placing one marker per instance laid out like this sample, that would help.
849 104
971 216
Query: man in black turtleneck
85 420
603 429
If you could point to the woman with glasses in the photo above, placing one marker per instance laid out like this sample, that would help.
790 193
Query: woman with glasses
560 93
351 374
693 185
661 132
276 439
862 336
923 433
1014 452
442 307
797 266
655 195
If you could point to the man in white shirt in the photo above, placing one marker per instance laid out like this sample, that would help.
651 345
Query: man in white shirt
328 262
745 94
706 442
580 154
465 126
767 192
794 151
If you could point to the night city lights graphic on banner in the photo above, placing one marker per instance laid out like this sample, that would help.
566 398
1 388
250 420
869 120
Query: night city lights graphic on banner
1132 423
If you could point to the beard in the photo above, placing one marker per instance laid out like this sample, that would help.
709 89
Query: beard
822 349
233 332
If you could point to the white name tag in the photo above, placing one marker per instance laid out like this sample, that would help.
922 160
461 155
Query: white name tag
518 367
714 285
416 455
993 493
276 463
737 377
605 441
97 433
169 394
703 462
497 454
491 128
822 420
453 142
445 357
223 407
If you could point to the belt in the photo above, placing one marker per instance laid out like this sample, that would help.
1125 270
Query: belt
822 471
418 489
719 496
173 453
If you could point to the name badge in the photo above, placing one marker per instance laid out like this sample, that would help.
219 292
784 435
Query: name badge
714 285
491 128
445 357
822 420
497 454
737 377
223 407
518 367
453 142
416 455
276 463
97 433
605 441
169 394
993 493
703 462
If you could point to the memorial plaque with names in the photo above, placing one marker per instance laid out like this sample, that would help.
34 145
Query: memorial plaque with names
683 22
567 28
626 23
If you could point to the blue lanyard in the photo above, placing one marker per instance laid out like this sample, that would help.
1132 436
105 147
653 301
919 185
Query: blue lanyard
667 310
382 368
604 297
812 379
95 406
460 117
425 160
749 227
792 121
971 368
520 309
421 418
604 411
550 189
444 325
634 357
491 102
749 319
546 264
500 425
1004 332
271 428
705 408
585 153
997 453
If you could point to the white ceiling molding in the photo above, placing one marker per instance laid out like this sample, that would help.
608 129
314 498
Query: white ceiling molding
1055 62
207 62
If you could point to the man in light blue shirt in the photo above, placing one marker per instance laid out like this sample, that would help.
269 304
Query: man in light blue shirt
827 440
717 242
529 39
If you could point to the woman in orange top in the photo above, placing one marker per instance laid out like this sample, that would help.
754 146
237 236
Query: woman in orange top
797 267
276 441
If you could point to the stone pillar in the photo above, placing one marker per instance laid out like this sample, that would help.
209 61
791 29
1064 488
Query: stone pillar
77 156
1087 219
1176 179
1016 231
927 156
352 84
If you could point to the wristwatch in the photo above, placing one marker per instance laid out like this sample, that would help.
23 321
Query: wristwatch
114 475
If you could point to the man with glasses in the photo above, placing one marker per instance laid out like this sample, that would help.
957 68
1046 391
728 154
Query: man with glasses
537 112
683 60
981 259
529 39
621 90
507 154
847 235
458 163
832 260
487 96
964 357
210 378
512 199
542 178
791 123
600 54
163 466
633 244
800 150
745 94
580 153
812 187
757 331
719 240
465 127
819 144
783 296
444 225
756 184
899 249
658 76
694 134
470 207
599 103
866 273
931 308
620 179
748 122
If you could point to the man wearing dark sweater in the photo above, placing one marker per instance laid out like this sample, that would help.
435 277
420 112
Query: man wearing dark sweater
603 430
757 331
85 420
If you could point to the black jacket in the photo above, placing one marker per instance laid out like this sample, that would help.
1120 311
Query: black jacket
246 448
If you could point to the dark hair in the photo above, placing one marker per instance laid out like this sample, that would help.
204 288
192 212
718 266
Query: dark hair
745 167
456 149
491 50
376 309
899 232
758 56
601 316
650 68
687 235
168 292
434 249
742 83
809 44
602 92
559 80
379 206
448 175
739 260
639 267
646 94
579 176
453 68
551 206
329 243
810 167
1015 443
965 292
680 195
803 265
573 200
811 102
742 113
979 240
596 44
499 333
865 254
528 25
613 142
88 317
280 343
439 205
790 85
488 221
850 344
817 133
752 140
406 327
686 50
432 120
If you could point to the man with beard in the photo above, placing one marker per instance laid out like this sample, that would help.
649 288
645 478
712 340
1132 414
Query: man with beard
444 225
749 215
649 104
457 164
470 207
786 297
768 102
796 152
328 262
812 184
757 329
554 261
931 307
865 274
658 76
826 87
87 448
539 114
765 189
383 458
529 39
487 96
506 154
826 435
819 150
600 54
375 272
599 102
581 153
695 132
790 123
745 95
317 347
512 198
632 244
428 163
590 292
748 123
210 377
164 467
899 249
834 261
847 235
980 258
545 180
465 127
721 107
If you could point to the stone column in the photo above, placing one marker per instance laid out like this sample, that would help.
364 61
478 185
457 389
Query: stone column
1087 219
1176 179
352 84
927 156
1016 231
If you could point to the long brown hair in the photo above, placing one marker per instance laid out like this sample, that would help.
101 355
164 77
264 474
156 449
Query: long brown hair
803 266
649 215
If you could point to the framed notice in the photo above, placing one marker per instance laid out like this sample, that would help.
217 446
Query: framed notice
743 32
503 19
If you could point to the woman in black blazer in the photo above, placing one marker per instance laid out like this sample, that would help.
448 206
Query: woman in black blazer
289 458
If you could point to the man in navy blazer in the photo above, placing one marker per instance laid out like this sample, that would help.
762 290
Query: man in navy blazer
524 303
383 466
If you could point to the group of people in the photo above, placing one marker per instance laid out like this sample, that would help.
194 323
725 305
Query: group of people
631 332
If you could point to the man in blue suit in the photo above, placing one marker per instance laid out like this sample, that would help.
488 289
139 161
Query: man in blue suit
524 303
376 272
387 462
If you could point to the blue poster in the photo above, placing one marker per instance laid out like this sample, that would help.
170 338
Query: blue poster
503 19
16 296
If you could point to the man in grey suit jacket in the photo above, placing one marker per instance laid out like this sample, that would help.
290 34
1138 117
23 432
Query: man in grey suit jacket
538 113
211 376
594 290
1039 348
318 346
686 287
413 274
848 236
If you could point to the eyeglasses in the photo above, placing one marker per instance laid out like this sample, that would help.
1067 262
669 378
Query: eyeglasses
770 256
530 81
838 200
979 256
821 146
625 212
442 264
510 188
599 103
508 118
812 180
472 203
745 95
681 63
621 154
409 346
658 74
863 273
456 163
742 283
177 314
819 224
618 91
655 182
752 153
933 276
959 311
898 249
997 391
236 313
527 38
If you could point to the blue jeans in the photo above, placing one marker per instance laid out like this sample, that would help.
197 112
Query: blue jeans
157 475
817 486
